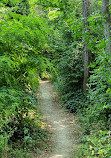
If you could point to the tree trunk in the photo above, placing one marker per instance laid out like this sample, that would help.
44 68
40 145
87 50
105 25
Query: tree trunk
86 51
107 24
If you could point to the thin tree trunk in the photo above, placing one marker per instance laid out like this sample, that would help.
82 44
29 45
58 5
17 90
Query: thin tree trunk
107 24
86 51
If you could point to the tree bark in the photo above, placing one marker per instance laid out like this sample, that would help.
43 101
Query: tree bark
86 51
107 24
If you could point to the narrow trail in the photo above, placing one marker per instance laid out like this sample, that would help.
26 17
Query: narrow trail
61 123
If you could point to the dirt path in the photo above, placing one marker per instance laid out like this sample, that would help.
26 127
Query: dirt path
60 121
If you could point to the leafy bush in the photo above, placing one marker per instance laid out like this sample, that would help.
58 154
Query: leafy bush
22 38
96 116
69 79
97 144
100 94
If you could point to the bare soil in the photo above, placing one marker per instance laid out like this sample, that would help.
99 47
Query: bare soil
61 123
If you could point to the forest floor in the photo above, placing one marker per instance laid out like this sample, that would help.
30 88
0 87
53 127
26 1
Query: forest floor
61 123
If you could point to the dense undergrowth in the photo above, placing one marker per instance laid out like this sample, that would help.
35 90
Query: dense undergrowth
96 117
93 108
22 39
36 37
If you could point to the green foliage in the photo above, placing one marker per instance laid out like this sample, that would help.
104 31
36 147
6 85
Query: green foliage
93 108
26 49
67 47
100 81
22 40
96 114
18 6
96 145
69 69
